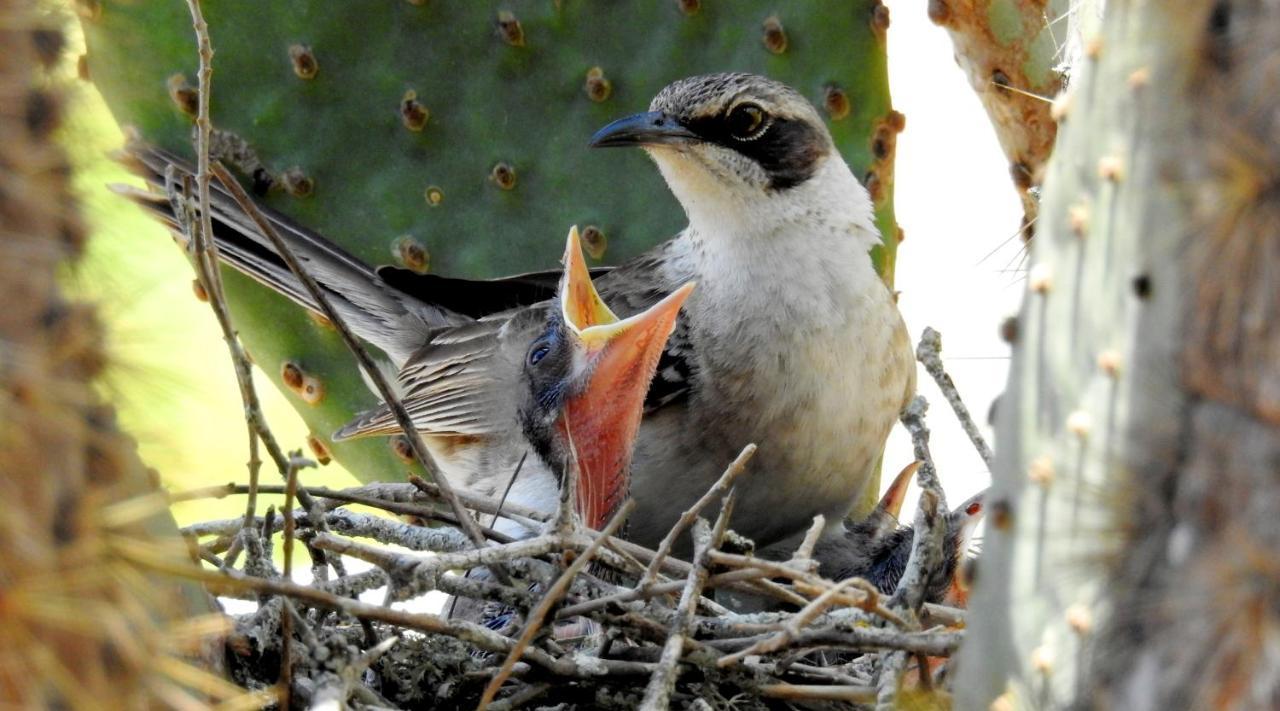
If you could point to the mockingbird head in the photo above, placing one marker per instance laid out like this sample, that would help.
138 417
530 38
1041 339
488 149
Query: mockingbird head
735 138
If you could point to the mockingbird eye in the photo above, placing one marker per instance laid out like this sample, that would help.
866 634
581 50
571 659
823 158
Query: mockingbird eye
747 121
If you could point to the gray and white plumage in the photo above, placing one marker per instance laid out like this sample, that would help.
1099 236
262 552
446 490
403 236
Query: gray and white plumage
791 341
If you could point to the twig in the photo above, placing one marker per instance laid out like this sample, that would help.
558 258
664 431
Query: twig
800 692
205 254
926 547
286 621
815 582
441 562
929 353
521 697
892 664
552 596
657 694
804 553
204 250
731 473
790 630
371 370
847 636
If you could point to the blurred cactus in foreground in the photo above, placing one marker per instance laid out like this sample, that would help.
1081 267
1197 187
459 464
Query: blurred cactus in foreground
83 626
1129 560
451 137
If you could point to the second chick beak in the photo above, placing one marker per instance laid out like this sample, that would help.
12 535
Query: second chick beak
602 417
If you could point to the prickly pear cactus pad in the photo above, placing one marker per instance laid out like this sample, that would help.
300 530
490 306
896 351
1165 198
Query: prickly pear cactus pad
452 137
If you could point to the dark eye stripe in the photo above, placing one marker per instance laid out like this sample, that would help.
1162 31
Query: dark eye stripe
787 149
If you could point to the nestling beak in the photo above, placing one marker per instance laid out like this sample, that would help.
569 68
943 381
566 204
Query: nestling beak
602 417
652 128
581 304
893 497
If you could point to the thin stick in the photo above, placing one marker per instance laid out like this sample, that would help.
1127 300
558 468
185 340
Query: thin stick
722 485
374 374
850 636
790 630
892 664
776 569
816 692
804 554
657 695
286 621
553 595
205 254
929 353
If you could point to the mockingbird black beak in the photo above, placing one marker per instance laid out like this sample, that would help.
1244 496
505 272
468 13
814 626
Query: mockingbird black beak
652 128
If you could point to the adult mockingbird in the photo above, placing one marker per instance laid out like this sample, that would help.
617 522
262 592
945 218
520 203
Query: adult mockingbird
792 340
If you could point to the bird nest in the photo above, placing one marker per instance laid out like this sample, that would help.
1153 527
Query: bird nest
590 619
